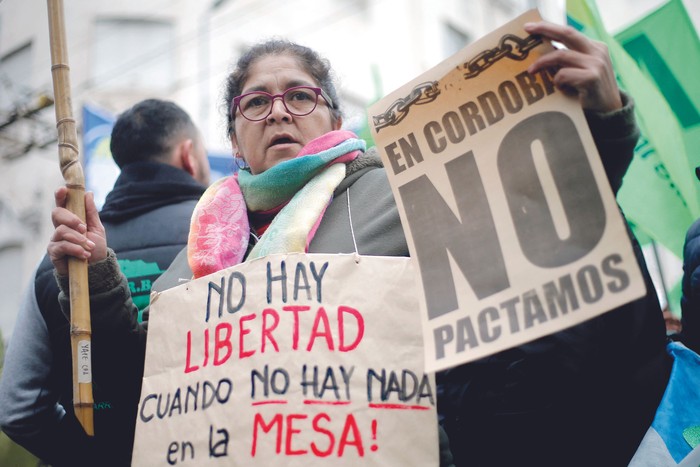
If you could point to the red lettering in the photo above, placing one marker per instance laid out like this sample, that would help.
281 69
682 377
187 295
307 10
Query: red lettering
319 429
290 433
277 420
189 368
206 348
341 328
321 316
295 333
321 425
347 337
351 425
267 331
243 331
220 342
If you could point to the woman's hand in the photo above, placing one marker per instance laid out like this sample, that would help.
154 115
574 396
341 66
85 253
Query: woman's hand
583 68
72 237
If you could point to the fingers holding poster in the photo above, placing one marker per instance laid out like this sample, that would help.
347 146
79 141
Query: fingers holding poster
530 239
288 360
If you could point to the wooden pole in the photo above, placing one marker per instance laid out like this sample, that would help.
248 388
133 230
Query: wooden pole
75 181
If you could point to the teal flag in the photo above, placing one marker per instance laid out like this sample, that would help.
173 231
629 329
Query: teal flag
658 193
666 47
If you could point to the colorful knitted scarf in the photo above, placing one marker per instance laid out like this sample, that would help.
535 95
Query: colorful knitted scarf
300 189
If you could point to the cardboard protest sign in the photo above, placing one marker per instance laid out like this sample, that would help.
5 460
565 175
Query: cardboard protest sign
289 360
504 201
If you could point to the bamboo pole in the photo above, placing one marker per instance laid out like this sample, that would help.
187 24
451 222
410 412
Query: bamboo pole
75 181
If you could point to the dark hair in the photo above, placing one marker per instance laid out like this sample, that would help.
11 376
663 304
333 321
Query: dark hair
147 131
318 67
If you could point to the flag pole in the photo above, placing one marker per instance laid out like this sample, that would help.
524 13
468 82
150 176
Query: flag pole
80 330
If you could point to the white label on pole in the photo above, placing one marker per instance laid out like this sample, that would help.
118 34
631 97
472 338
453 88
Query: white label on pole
83 362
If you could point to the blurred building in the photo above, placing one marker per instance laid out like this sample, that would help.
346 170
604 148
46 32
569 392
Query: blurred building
122 52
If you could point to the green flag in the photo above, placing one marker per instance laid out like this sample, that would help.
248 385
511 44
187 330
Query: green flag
655 193
666 47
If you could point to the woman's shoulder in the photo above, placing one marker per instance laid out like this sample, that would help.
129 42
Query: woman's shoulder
368 160
368 168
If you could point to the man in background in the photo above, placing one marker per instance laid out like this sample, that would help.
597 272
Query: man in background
164 171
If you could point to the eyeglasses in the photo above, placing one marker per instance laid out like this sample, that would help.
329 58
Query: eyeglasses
299 101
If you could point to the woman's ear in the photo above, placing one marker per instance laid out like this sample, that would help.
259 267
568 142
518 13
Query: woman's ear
234 143
338 123
238 158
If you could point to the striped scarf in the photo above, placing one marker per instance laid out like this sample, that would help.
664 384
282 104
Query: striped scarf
300 189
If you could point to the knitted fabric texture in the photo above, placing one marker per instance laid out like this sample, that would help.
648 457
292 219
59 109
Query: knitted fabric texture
300 188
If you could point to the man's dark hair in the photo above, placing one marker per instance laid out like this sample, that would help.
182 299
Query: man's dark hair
147 131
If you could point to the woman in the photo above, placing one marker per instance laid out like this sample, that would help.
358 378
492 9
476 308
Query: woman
284 123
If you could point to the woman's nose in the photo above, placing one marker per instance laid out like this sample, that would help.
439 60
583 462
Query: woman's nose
278 111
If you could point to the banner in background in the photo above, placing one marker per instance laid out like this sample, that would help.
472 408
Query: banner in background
100 169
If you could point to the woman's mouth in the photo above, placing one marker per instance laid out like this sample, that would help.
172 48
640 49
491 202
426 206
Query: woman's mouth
282 139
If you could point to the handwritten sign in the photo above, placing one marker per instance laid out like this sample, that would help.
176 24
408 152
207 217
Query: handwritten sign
291 360
504 201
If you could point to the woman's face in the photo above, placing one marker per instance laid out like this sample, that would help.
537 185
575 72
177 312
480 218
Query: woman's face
281 135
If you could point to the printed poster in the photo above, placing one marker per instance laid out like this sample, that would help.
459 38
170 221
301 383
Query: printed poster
504 201
294 360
